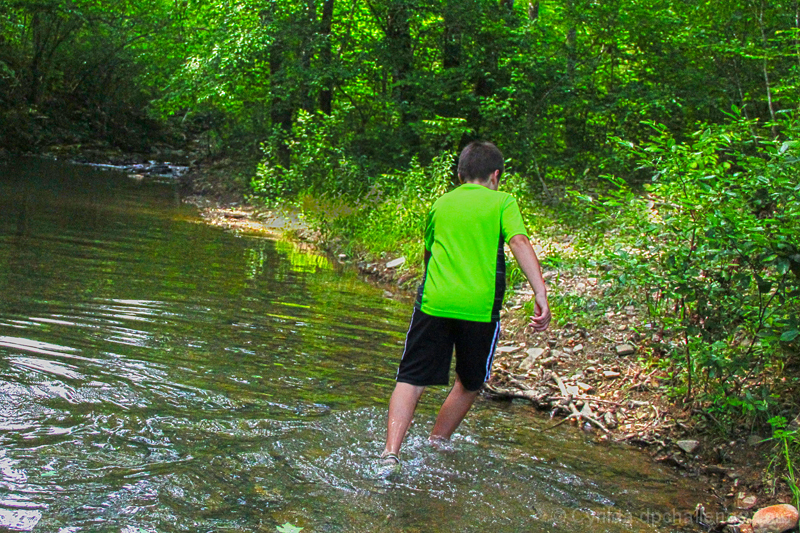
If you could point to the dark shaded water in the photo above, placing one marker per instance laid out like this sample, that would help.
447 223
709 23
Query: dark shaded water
160 375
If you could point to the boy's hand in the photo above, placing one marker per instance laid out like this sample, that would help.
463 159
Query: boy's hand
541 314
523 252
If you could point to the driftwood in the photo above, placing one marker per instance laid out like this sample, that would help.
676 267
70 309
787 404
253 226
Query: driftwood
550 392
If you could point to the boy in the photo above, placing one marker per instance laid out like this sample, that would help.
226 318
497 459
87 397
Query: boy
458 303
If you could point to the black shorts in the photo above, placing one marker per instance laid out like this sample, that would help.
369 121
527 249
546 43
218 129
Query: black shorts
429 349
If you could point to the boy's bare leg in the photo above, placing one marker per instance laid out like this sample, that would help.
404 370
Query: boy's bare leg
401 411
453 411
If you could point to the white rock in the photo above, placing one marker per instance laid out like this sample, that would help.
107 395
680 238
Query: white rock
625 349
577 348
394 263
745 501
534 354
509 349
610 374
688 446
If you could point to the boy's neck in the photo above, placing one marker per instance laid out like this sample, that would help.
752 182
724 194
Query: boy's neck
491 183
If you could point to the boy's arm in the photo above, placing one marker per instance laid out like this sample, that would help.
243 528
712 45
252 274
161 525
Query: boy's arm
526 258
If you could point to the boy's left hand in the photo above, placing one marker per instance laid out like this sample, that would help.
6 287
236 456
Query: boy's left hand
541 315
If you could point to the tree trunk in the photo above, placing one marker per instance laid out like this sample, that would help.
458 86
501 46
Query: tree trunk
281 110
326 94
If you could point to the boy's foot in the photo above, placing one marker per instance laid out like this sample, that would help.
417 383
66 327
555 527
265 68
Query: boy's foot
389 466
441 444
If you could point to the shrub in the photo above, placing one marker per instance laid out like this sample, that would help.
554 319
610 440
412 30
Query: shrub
713 244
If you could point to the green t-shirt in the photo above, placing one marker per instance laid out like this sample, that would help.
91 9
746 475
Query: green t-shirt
465 234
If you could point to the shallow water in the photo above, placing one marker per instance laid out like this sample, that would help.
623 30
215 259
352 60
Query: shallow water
160 375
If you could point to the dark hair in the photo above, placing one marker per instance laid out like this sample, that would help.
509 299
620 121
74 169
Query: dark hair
478 160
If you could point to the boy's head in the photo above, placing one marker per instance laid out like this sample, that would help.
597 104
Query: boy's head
478 161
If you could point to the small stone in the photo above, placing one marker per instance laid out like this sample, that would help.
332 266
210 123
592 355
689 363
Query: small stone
745 501
584 387
387 294
625 349
610 374
622 327
548 361
775 519
342 256
552 342
580 286
509 349
557 354
577 348
567 350
754 440
572 390
590 370
688 446
394 263
610 420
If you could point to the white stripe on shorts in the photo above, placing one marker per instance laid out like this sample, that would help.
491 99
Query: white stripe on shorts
491 355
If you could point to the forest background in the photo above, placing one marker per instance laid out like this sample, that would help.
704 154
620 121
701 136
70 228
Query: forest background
659 135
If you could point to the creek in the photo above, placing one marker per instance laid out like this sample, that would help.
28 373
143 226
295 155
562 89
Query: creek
160 375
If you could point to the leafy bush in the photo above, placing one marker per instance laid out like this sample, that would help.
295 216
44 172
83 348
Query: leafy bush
318 151
713 245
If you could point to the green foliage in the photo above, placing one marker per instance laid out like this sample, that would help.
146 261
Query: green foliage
713 247
787 451
289 528
319 162
391 215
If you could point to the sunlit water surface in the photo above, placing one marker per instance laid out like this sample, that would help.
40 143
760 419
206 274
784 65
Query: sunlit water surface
160 375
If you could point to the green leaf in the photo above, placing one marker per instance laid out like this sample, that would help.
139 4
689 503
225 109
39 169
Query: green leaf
789 336
289 528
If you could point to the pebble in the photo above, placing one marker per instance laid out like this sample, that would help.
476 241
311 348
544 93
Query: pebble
688 446
577 348
394 263
508 349
584 387
775 519
610 374
625 349
745 501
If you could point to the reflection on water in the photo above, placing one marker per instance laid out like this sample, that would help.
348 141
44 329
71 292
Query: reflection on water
160 375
